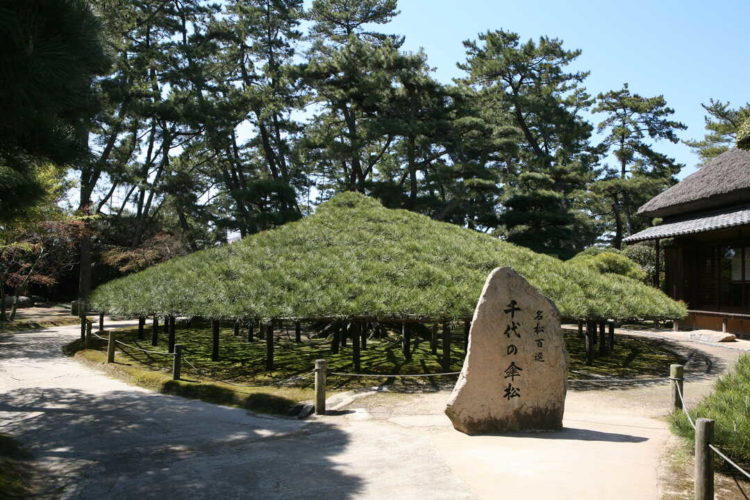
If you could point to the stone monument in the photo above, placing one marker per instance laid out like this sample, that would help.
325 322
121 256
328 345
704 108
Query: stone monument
514 376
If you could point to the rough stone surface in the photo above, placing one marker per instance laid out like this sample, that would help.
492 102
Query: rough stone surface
22 301
514 377
711 336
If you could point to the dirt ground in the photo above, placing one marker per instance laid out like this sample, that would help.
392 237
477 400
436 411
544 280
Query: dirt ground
96 437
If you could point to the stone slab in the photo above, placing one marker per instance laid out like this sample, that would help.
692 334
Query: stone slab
514 377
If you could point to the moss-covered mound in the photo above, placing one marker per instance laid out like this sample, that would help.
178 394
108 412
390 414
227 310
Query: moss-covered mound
356 259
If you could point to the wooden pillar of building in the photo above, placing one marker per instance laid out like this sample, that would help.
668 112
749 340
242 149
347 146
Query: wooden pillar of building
657 265
298 332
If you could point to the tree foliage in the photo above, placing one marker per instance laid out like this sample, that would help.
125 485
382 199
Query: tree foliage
50 51
631 124
356 259
723 123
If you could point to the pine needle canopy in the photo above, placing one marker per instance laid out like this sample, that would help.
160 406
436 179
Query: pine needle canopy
356 259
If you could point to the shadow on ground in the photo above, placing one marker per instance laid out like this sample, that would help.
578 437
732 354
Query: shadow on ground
126 444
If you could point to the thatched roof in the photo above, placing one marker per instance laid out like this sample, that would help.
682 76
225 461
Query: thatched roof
722 182
355 259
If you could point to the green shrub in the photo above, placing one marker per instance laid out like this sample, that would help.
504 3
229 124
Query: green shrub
609 261
729 406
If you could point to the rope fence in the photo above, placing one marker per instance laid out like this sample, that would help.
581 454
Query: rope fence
704 432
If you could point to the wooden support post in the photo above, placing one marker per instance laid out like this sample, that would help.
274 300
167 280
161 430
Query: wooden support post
657 266
101 322
724 324
446 346
177 362
250 327
297 332
676 377
434 339
589 344
269 346
467 329
365 330
87 340
594 337
215 328
580 329
83 328
166 325
321 369
405 342
675 326
141 328
602 338
237 328
356 329
611 335
336 339
155 331
704 466
111 347
171 334
342 335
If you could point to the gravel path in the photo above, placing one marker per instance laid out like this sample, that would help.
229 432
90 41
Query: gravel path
96 437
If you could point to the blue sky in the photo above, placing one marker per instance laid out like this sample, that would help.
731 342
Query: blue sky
689 51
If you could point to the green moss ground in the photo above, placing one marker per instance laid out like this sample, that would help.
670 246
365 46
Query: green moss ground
244 363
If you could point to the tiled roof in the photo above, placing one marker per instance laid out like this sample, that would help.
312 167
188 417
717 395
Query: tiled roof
697 223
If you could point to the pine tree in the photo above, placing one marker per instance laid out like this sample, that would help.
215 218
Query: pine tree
50 53
526 86
631 124
722 124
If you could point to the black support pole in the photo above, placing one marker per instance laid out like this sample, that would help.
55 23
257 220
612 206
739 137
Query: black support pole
237 328
467 329
406 341
250 326
297 332
336 339
602 338
446 346
269 346
611 335
141 328
171 334
155 331
356 328
589 343
215 326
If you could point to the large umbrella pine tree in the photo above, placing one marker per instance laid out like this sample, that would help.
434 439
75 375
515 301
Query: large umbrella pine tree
354 259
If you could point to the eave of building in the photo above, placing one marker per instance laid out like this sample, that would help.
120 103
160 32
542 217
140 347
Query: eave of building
694 223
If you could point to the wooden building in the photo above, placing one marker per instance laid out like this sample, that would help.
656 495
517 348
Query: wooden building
705 235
